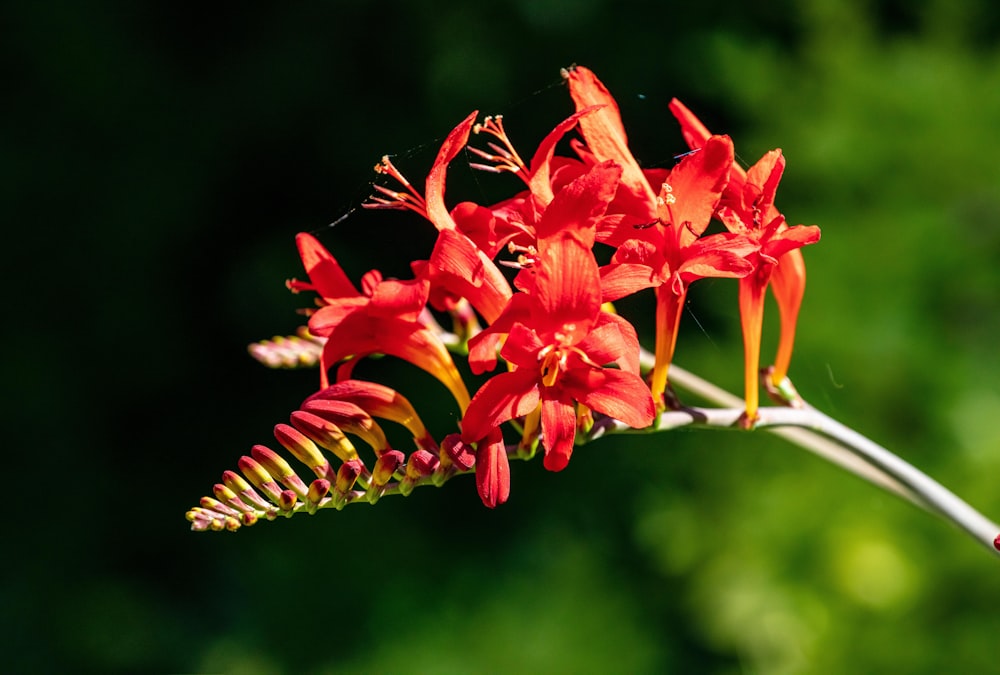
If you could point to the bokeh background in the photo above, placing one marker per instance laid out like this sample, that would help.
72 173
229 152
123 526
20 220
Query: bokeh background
157 160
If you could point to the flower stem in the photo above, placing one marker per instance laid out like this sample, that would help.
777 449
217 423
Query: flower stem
822 435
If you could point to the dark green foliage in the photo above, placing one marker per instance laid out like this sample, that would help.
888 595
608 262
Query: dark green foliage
157 163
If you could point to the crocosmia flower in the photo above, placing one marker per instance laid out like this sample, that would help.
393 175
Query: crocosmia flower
564 351
787 273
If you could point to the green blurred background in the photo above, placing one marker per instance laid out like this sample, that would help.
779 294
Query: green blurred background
159 158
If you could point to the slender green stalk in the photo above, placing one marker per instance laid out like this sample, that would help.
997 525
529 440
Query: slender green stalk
822 435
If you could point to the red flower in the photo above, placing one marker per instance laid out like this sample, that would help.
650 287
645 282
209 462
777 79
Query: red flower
559 340
673 253
751 211
605 139
788 276
384 319
459 267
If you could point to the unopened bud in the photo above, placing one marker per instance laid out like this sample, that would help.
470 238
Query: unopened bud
347 475
350 418
302 448
259 476
325 433
244 491
386 466
460 453
318 489
228 497
199 519
217 507
287 500
279 468
421 464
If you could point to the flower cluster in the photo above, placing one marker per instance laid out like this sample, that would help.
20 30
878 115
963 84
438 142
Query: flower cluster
559 358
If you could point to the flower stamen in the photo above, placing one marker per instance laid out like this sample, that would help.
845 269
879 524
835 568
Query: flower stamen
394 199
505 157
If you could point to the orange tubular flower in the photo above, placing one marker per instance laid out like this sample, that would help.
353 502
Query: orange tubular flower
559 339
458 267
673 253
788 279
605 137
746 212
382 320
670 256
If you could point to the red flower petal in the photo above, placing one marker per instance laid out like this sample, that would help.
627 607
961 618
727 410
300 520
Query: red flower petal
577 207
437 212
324 271
696 185
502 398
558 432
568 290
605 135
615 393
492 470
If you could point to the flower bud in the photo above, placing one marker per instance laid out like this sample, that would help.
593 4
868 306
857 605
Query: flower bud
386 466
279 468
350 419
325 433
287 500
460 453
421 464
318 489
347 475
302 448
217 506
244 491
259 476
228 497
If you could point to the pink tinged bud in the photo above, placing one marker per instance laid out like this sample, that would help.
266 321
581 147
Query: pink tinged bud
230 498
293 351
259 476
461 454
217 506
318 489
347 475
249 519
208 518
376 400
203 519
421 464
325 433
287 500
200 520
996 543
244 491
351 419
302 448
386 466
279 468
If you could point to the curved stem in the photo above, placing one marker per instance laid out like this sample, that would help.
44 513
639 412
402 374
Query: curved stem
849 449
